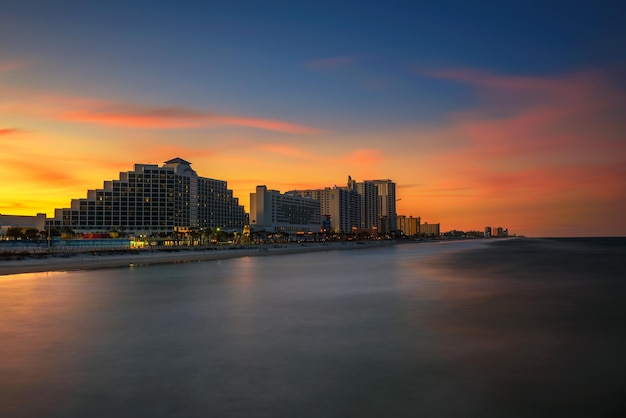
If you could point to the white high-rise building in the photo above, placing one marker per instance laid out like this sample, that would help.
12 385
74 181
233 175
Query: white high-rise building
271 211
152 199
340 205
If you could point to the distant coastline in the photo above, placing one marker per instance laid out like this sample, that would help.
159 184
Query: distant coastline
100 260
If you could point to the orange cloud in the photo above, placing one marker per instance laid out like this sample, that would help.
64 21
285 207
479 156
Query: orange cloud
58 106
364 157
42 172
540 155
574 117
152 117
286 150
10 131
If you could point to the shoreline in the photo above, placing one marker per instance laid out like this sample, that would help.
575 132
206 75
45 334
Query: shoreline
89 261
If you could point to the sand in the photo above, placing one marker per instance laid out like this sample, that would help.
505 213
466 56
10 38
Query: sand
89 261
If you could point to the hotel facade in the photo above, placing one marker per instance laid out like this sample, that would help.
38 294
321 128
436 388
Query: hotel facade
368 206
378 204
152 199
342 207
271 211
387 217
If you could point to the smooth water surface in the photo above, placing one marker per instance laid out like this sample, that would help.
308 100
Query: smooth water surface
374 332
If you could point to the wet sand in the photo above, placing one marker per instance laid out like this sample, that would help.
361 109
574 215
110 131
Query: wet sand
90 261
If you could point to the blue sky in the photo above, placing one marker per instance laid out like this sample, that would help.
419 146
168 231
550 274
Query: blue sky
345 79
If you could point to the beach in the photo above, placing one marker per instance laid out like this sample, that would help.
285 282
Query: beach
103 259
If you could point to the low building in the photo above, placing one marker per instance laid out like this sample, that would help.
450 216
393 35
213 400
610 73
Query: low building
429 230
408 225
500 232
22 221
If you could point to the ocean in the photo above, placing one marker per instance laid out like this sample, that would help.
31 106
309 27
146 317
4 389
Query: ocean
483 328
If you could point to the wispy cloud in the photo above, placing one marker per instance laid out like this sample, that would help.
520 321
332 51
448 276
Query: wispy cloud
353 158
575 116
10 131
553 147
363 157
59 106
286 150
156 117
41 173
7 66
582 90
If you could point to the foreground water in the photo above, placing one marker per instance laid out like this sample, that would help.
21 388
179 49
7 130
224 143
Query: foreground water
519 328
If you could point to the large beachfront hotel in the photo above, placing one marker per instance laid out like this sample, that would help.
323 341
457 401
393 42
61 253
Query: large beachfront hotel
152 199
172 199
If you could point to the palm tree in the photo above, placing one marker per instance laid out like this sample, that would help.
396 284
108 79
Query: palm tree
31 233
15 232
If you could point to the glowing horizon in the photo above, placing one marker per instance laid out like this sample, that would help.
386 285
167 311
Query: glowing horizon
470 137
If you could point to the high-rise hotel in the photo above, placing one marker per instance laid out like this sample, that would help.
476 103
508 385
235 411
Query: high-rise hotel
342 207
387 217
272 211
369 205
152 199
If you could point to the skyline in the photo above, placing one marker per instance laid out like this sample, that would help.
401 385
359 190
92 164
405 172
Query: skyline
482 114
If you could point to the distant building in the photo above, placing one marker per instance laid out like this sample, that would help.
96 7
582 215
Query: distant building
429 230
500 232
368 196
152 199
487 232
386 205
340 206
378 204
272 211
408 225
11 221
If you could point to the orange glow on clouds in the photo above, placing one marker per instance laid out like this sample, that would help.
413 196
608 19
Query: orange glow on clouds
9 131
547 152
539 155
147 117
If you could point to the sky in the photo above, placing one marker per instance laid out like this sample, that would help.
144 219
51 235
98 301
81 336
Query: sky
483 113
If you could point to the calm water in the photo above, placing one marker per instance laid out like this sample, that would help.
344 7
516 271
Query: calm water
521 328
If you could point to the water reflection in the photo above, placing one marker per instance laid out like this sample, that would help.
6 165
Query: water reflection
381 332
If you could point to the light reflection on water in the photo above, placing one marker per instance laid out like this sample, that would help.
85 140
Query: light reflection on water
376 332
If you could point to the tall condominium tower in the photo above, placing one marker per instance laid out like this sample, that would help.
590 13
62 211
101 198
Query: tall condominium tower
152 199
340 205
386 190
368 194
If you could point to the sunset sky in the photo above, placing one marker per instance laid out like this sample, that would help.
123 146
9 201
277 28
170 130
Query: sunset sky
483 113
